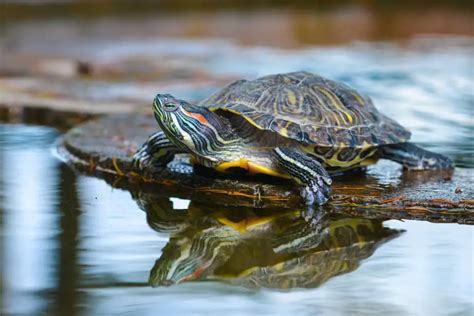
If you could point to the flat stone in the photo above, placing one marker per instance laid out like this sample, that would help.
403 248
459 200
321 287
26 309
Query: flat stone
104 147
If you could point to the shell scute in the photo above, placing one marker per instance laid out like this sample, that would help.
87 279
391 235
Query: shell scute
310 109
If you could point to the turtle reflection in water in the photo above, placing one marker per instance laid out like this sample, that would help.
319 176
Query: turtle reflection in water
258 248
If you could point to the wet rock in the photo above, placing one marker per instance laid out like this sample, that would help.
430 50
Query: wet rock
104 147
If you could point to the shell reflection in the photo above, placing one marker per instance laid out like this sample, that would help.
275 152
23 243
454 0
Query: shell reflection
257 248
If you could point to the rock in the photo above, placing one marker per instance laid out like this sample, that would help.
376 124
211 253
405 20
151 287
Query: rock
104 147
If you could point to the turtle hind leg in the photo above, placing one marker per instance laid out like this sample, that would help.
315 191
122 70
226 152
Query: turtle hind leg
413 157
306 171
157 151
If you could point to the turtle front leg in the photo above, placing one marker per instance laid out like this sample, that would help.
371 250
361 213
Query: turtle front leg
157 151
413 157
306 171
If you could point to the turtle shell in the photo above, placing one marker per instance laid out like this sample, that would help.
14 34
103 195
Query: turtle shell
310 109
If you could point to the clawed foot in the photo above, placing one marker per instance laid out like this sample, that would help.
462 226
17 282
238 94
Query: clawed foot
307 171
141 159
317 191
143 162
155 153
433 161
413 157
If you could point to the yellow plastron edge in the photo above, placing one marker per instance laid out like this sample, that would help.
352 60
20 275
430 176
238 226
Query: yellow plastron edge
251 167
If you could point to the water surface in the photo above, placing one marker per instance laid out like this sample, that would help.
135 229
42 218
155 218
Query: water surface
72 244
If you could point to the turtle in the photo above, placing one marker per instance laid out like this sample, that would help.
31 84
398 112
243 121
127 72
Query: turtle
299 126
250 248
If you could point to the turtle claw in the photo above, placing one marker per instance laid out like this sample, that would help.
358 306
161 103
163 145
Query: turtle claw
141 159
435 161
308 171
413 157
318 191
154 154
146 163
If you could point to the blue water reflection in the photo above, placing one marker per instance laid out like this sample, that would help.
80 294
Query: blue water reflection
30 183
74 245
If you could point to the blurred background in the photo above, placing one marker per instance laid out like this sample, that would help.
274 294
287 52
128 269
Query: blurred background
412 57
71 244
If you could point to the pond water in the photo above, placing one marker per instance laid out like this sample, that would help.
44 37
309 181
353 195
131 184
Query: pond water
72 244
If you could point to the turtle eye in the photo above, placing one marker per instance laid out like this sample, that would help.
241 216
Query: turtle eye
170 106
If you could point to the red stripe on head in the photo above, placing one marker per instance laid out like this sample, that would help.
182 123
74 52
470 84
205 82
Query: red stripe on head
198 117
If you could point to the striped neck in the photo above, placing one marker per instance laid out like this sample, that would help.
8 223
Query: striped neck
194 129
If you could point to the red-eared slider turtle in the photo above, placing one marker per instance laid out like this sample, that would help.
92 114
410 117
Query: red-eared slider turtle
276 249
296 125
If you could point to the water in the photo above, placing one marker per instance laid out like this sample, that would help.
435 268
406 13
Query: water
72 244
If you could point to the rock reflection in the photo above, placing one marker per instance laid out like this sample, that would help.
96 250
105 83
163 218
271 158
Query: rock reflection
257 248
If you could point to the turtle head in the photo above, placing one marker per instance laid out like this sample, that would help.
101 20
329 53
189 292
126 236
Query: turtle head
190 127
168 112
179 262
